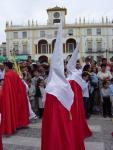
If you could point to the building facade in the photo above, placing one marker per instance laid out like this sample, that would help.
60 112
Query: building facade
3 49
39 40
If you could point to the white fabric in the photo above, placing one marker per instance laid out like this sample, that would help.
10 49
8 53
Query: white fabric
75 74
72 61
57 84
31 113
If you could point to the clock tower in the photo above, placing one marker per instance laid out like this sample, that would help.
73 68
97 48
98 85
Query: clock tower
55 15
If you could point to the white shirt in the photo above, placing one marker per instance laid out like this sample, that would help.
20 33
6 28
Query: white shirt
102 75
85 89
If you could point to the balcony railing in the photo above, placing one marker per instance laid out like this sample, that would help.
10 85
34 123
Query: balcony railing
98 51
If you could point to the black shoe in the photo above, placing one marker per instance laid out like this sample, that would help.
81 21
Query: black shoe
110 116
104 116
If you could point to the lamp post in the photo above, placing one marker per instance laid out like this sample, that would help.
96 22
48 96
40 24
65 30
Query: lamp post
106 53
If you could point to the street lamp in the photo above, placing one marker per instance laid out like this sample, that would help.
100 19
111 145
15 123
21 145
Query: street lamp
106 53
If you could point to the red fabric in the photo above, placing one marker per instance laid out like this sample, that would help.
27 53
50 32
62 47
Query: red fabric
112 133
78 114
15 112
1 147
57 128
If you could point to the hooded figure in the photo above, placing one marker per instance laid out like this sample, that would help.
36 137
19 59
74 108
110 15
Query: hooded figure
57 127
15 112
80 126
1 147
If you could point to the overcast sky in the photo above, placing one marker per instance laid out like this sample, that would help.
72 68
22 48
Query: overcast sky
19 11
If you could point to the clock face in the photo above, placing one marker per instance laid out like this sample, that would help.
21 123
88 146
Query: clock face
56 14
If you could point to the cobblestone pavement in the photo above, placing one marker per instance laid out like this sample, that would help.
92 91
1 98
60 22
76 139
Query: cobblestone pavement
29 138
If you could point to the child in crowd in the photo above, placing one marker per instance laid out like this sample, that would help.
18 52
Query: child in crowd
39 95
31 94
105 97
85 77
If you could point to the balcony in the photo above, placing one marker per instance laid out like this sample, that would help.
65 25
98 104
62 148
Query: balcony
93 51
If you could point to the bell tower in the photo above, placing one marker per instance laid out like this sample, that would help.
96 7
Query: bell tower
56 14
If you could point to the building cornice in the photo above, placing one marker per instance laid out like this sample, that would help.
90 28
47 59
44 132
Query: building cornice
57 9
67 26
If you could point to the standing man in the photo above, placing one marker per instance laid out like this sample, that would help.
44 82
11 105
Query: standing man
15 112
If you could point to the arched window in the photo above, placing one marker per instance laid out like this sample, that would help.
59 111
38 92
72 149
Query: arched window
42 47
70 45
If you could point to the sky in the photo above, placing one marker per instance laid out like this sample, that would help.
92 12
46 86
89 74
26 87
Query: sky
20 11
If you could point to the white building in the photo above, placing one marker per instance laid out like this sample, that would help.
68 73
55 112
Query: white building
38 40
3 49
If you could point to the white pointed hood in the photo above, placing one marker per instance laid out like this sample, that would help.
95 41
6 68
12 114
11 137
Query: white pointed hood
72 61
57 84
75 74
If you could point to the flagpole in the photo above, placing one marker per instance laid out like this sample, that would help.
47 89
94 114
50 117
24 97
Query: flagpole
80 50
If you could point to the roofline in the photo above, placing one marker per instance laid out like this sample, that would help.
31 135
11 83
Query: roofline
57 9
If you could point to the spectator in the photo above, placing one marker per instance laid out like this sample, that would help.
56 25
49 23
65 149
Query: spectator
111 94
31 94
39 95
85 77
111 70
94 100
105 97
104 74
104 62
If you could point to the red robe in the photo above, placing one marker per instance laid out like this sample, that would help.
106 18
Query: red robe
15 112
78 114
57 133
1 147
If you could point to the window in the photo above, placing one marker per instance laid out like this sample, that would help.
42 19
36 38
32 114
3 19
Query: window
4 52
55 33
42 33
98 31
15 35
89 31
99 46
56 21
16 49
25 49
70 32
43 48
70 47
89 45
24 35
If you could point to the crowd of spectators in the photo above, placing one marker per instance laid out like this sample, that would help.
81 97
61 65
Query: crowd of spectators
98 97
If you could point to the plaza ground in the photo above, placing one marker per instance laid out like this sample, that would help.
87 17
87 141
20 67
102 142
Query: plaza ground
29 138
